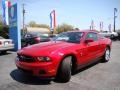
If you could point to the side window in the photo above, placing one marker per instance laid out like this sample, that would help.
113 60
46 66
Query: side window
100 36
92 35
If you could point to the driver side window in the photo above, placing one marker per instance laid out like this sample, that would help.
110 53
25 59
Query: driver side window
92 36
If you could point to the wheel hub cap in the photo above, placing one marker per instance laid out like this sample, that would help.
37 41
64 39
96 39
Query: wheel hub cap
107 55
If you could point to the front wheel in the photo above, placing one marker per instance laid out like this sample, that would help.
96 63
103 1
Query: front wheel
64 73
106 56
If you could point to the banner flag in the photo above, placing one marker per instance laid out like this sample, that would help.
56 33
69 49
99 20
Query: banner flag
5 5
52 20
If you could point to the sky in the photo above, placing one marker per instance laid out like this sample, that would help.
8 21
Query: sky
78 13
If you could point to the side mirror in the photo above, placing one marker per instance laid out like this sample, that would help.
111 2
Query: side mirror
89 40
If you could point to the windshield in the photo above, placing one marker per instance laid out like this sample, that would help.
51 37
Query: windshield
72 37
35 34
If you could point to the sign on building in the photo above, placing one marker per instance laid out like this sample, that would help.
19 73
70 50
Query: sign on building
14 26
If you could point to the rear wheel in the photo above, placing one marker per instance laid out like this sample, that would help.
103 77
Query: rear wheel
64 73
112 36
106 56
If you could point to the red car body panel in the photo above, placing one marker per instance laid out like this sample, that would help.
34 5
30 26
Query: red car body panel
57 50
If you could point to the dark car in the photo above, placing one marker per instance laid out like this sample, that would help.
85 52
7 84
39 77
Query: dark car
33 38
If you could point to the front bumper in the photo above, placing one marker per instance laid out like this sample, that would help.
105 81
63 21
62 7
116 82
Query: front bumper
39 69
7 47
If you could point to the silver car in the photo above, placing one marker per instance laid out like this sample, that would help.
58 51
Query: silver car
6 44
109 34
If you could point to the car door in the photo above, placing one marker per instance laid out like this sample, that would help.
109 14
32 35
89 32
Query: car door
89 51
92 47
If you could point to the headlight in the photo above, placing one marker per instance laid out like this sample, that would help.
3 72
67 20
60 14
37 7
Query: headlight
43 59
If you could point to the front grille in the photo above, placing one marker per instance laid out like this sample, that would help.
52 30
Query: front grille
24 58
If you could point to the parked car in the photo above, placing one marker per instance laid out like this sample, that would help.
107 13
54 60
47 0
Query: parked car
109 34
68 52
118 35
5 45
33 38
52 36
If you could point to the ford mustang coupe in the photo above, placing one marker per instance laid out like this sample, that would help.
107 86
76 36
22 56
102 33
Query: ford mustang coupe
66 53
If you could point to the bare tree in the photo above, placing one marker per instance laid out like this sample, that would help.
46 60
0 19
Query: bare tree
1 20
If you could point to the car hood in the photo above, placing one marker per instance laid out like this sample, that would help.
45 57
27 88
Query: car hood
45 48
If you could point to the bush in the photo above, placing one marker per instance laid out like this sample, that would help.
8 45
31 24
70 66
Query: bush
64 28
34 24
4 31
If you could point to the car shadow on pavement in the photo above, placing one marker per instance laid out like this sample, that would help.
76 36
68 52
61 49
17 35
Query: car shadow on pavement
17 75
86 67
21 77
6 53
1 54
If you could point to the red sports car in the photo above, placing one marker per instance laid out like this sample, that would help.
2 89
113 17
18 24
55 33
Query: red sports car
66 53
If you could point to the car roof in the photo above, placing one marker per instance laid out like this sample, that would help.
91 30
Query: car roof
85 31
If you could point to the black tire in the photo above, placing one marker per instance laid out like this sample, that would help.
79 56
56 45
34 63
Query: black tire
3 52
112 36
106 56
65 70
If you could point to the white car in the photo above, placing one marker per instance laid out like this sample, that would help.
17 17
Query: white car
5 45
109 34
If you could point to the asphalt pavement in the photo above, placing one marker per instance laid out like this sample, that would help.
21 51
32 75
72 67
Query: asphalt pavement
99 76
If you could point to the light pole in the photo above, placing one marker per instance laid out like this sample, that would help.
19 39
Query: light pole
101 26
23 11
115 10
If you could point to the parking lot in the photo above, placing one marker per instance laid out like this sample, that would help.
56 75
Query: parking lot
100 76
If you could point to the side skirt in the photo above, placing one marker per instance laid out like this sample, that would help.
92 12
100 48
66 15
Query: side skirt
89 63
